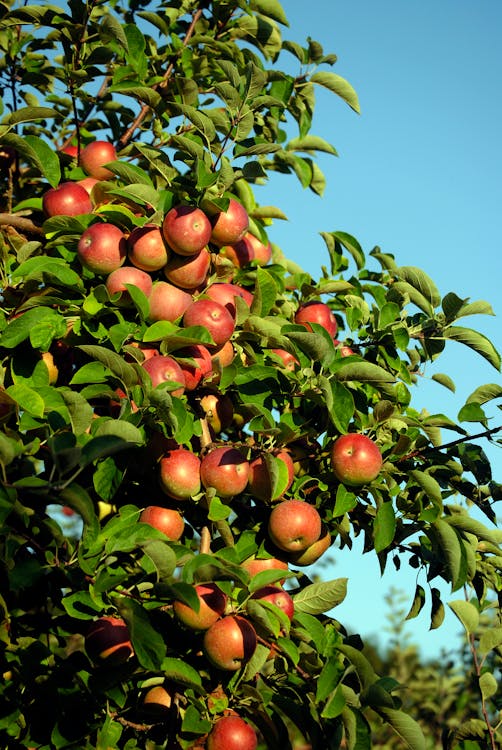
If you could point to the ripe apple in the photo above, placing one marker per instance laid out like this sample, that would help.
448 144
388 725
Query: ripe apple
94 156
230 226
157 702
345 351
255 565
289 361
88 184
261 253
117 280
317 312
225 293
230 642
212 604
294 525
355 459
179 473
212 316
70 150
67 199
188 272
313 552
164 369
194 373
276 595
232 733
222 356
167 520
260 477
102 248
248 249
107 640
187 230
168 302
225 470
147 249
218 409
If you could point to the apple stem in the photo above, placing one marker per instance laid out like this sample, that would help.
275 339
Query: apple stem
206 438
205 541
225 533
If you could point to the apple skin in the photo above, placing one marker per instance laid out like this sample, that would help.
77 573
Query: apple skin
116 281
94 156
168 302
294 525
212 606
164 369
212 316
289 361
276 595
229 226
225 293
167 520
188 272
107 641
355 459
194 374
179 474
68 199
313 552
225 470
230 642
157 702
260 482
147 249
345 351
255 565
102 248
222 356
186 229
232 733
248 249
317 312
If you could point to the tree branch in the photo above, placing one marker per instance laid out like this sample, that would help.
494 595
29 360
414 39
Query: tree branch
19 222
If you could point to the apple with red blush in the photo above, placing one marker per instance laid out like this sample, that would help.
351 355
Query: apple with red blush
147 249
94 156
117 281
195 362
212 605
213 317
278 596
179 473
355 459
294 525
230 642
229 226
165 369
225 293
67 199
167 520
102 248
317 312
225 470
232 733
107 641
186 229
168 302
188 272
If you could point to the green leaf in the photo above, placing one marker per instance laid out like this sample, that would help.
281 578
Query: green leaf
363 372
27 399
437 609
127 432
38 153
485 393
53 270
339 86
311 143
265 292
317 598
162 556
405 727
19 329
490 639
445 380
148 644
488 685
385 526
420 281
449 544
179 671
475 341
144 94
114 362
417 604
467 613
270 8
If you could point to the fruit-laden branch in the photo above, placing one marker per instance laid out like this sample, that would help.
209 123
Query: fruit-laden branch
467 438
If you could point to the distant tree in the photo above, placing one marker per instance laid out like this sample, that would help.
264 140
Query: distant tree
213 416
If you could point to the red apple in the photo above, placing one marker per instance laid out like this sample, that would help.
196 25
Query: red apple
167 520
71 150
248 249
276 595
168 302
107 640
261 483
222 356
225 470
314 551
232 733
164 369
225 293
68 199
345 351
88 183
117 280
194 373
212 316
230 642
317 312
94 156
218 409
255 565
355 459
179 474
261 253
147 249
294 525
212 604
188 272
102 248
289 361
187 230
229 226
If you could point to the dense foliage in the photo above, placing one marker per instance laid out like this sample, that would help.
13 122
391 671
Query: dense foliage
193 99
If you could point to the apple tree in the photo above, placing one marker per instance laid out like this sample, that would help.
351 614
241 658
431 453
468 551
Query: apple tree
189 421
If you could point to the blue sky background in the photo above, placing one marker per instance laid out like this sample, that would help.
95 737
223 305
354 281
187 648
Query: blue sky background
419 173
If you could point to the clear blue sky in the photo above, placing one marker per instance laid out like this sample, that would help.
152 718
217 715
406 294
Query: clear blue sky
420 175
